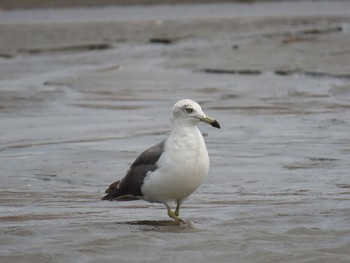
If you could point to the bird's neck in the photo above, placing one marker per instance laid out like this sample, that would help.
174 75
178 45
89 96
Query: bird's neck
186 136
183 129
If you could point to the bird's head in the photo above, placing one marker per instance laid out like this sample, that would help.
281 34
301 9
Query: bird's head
189 111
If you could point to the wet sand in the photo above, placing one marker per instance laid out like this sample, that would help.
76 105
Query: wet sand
82 96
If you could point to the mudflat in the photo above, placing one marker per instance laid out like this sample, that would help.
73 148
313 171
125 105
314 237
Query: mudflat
83 91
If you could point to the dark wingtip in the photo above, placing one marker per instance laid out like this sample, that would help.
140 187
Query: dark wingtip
107 197
216 124
111 191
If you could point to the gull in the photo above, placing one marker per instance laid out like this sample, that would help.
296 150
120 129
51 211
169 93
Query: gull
173 169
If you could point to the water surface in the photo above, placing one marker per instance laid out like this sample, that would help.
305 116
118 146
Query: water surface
278 188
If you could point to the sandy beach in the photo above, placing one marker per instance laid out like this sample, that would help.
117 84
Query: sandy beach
83 91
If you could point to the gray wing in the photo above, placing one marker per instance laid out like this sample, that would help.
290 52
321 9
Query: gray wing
129 187
150 156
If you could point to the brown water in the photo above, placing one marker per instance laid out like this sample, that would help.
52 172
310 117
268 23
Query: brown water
278 189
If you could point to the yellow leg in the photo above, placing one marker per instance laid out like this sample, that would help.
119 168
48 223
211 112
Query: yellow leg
177 211
173 215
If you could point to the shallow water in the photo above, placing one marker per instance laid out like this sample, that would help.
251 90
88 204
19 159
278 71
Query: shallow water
278 188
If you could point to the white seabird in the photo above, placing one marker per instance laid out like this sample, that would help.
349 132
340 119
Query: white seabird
173 169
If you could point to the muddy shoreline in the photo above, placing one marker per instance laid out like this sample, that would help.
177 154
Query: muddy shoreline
82 94
33 4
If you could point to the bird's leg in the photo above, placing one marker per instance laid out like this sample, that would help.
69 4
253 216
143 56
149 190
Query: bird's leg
173 215
177 211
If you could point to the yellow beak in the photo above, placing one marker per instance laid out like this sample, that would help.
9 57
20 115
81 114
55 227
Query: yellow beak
211 121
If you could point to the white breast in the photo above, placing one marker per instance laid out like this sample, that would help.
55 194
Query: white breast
182 168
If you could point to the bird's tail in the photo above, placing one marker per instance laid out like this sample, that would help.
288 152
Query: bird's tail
113 193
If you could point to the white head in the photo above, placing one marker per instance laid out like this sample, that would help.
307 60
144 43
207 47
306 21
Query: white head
189 111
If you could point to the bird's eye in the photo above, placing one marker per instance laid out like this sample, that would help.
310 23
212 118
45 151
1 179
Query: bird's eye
189 110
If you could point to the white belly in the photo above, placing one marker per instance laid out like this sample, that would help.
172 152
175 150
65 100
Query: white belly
182 169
